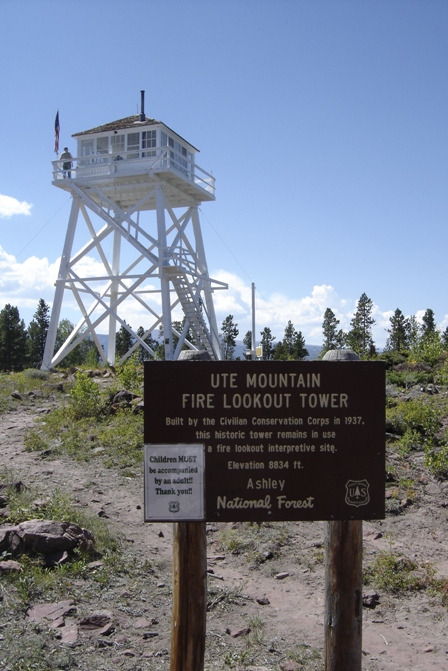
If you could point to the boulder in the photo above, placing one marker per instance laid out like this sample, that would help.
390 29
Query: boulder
10 566
9 539
194 355
45 536
340 355
51 611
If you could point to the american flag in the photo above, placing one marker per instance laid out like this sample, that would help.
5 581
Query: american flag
56 133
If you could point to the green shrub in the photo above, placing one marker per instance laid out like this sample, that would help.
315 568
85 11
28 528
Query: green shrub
411 440
398 378
436 460
393 358
35 374
130 374
427 349
397 574
122 439
306 657
30 380
408 378
85 397
410 374
421 416
441 375
252 540
34 442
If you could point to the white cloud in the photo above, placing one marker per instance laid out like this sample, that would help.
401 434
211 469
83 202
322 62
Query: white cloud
22 284
10 206
276 310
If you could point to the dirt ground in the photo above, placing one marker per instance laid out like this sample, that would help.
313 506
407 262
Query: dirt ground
407 631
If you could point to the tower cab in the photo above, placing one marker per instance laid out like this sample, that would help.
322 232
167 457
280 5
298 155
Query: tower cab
132 152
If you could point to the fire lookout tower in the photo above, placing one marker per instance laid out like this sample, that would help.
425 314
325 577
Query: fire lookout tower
133 175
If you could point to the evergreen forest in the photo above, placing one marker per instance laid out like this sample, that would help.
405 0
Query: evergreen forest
408 339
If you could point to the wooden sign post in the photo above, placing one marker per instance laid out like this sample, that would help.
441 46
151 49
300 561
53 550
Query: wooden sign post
343 595
189 597
343 582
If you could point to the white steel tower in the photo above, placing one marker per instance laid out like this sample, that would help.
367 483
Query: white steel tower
134 236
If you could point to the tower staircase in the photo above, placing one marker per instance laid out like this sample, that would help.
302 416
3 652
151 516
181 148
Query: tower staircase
193 310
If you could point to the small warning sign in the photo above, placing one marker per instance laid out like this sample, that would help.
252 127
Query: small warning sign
174 482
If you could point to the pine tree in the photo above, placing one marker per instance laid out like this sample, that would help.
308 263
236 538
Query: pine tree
37 333
267 343
123 342
280 352
292 347
247 341
78 355
444 338
13 340
228 338
177 328
413 330
143 354
91 355
289 339
398 339
333 338
429 323
300 351
359 338
161 345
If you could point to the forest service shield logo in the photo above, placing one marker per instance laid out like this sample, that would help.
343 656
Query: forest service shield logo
357 493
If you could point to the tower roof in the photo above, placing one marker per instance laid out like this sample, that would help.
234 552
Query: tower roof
129 122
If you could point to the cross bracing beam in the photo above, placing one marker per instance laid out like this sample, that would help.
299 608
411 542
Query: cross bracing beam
155 269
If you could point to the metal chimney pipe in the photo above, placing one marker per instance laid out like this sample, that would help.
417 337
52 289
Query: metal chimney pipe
142 106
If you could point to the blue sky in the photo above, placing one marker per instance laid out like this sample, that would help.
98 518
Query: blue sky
323 121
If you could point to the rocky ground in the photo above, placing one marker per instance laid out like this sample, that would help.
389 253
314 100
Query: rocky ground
265 601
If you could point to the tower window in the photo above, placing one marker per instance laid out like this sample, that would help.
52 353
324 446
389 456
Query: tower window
102 145
87 147
117 145
148 142
133 145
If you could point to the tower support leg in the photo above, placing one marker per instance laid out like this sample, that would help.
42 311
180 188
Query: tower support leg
208 296
111 341
164 280
64 269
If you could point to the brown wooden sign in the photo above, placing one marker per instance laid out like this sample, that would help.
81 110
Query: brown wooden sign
282 440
